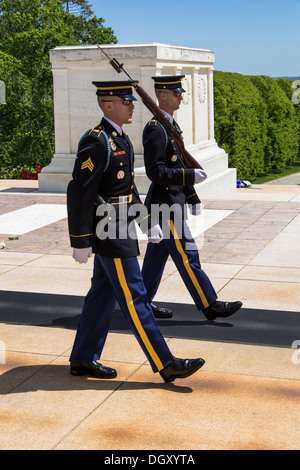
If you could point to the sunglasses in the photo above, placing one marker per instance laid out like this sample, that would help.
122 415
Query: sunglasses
125 101
176 93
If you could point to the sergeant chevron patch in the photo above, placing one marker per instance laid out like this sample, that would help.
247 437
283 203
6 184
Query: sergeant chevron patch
87 164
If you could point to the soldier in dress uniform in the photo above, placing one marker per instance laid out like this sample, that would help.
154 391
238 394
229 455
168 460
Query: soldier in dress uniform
104 170
172 184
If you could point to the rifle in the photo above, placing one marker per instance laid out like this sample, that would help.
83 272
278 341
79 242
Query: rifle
174 133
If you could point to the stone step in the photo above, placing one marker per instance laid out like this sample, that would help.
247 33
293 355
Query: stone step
221 182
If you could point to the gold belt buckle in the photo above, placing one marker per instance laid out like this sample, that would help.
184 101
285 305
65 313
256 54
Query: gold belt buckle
122 199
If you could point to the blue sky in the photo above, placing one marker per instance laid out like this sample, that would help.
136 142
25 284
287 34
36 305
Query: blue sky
255 37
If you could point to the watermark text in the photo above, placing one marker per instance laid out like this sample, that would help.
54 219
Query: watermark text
2 92
118 222
296 354
296 94
2 352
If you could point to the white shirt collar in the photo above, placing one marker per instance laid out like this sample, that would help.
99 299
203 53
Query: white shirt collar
118 128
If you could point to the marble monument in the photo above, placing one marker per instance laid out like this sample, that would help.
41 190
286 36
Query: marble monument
76 109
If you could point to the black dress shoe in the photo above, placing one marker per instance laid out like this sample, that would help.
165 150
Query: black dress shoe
181 368
221 309
160 312
92 368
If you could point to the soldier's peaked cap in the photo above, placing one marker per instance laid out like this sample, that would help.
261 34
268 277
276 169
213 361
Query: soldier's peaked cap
116 88
170 82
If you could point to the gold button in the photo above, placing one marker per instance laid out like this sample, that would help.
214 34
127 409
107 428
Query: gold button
167 189
121 164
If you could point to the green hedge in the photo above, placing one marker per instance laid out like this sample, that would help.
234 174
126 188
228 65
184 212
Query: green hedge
256 122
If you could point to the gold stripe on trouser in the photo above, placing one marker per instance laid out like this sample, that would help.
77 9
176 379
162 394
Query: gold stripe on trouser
187 265
134 315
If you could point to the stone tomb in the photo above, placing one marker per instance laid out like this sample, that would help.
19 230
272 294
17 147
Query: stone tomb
76 109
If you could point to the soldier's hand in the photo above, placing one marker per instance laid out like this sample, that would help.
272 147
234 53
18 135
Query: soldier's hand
155 234
81 255
196 209
200 175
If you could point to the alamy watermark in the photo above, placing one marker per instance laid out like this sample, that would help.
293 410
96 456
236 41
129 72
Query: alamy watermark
2 92
296 354
296 94
119 222
2 352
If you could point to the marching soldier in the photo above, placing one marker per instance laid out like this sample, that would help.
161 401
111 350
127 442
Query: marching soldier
104 172
172 184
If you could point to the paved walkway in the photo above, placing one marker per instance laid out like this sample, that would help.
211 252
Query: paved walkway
245 397
287 180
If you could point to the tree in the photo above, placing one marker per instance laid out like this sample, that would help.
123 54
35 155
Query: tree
240 122
28 30
256 123
81 7
289 90
283 141
14 138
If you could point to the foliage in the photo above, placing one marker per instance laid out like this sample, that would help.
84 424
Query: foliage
282 146
256 123
16 117
240 122
28 30
287 86
78 7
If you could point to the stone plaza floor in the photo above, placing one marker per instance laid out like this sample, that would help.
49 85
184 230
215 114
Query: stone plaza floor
245 397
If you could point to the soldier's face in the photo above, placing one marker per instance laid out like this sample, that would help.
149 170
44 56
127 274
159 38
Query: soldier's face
175 100
121 112
172 101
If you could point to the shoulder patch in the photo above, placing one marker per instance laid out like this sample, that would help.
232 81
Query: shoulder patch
97 130
88 164
152 121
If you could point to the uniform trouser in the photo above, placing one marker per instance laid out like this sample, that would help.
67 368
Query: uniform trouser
180 245
118 279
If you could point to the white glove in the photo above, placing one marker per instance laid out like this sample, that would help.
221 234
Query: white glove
81 255
155 234
200 175
196 209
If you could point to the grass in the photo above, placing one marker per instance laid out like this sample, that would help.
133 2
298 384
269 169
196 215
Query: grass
290 170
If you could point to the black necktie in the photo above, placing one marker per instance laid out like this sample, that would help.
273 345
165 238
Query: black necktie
126 138
177 127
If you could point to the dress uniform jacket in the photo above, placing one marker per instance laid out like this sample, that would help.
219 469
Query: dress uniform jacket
110 177
171 182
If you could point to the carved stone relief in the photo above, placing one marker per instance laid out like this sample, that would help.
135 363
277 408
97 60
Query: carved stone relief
186 85
202 90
